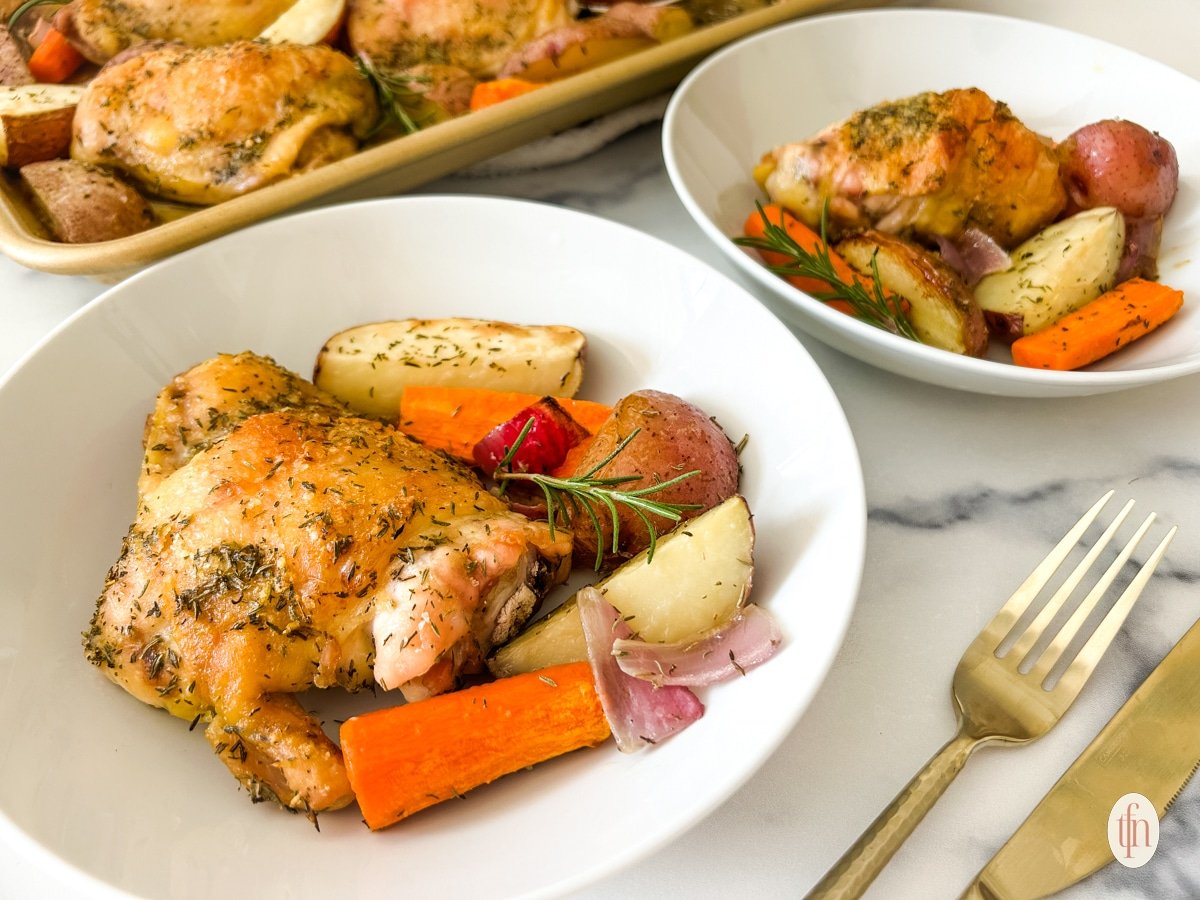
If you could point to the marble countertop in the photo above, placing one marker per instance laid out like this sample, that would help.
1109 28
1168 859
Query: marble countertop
965 493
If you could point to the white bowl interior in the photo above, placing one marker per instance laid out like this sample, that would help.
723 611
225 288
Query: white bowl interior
785 84
105 791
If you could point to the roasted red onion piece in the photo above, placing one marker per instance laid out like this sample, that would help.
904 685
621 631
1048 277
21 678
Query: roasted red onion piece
747 640
1142 240
974 254
638 712
554 433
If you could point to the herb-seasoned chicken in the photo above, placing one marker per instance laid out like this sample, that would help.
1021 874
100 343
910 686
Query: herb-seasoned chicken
101 29
279 547
930 166
203 125
475 35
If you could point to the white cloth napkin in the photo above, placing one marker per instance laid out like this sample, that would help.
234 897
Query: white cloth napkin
574 143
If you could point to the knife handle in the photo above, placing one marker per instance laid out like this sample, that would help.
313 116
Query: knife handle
853 873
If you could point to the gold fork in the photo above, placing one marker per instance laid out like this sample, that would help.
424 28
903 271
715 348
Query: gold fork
1002 697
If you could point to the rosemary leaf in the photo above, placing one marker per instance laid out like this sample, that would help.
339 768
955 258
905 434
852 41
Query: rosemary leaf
395 95
586 494
871 305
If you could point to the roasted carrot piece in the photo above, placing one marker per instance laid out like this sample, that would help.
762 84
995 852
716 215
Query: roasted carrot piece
54 60
404 759
810 241
489 93
455 419
1092 332
575 456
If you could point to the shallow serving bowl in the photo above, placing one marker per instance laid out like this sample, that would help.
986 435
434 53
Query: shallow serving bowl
787 83
102 795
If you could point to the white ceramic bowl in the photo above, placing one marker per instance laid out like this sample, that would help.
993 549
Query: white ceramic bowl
100 794
787 83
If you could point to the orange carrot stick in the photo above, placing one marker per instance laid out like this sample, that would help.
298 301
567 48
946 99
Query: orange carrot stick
755 227
489 93
404 759
455 419
54 60
1124 314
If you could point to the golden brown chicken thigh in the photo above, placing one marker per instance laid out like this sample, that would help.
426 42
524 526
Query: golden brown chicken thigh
931 166
201 406
306 547
101 29
475 35
203 125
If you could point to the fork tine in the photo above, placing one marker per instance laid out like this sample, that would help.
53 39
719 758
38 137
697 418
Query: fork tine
1003 622
1038 626
1053 652
1081 667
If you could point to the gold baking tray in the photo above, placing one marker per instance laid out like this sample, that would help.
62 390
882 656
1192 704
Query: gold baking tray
397 165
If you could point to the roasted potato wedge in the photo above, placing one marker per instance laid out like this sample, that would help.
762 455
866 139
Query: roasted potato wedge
13 68
943 312
307 22
700 575
369 366
1054 273
35 122
573 48
80 203
673 437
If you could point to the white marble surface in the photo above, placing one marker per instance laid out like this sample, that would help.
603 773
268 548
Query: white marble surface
965 494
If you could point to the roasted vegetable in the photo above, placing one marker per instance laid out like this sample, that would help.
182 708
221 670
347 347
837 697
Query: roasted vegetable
81 204
1127 312
369 366
35 122
700 575
673 437
1054 273
1119 163
455 419
942 309
404 759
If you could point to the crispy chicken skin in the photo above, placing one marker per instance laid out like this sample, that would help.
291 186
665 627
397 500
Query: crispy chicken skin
101 29
203 125
201 405
927 166
305 547
475 35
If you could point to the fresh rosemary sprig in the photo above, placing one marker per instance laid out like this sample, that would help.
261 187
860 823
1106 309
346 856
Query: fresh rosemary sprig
395 96
582 494
872 306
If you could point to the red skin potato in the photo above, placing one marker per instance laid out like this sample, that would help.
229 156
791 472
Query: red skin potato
1115 162
1119 163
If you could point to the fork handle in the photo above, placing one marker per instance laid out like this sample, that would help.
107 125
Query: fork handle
853 873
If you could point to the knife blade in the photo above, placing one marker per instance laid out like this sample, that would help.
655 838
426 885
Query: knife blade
1150 747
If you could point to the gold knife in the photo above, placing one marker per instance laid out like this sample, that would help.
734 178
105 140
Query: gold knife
1150 747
